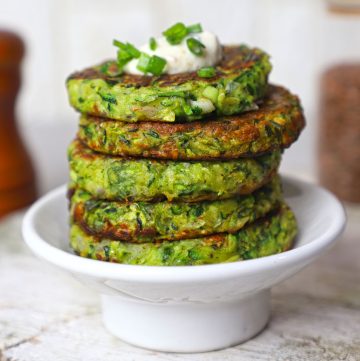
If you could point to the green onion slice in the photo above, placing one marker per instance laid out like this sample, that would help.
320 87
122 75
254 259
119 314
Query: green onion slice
206 72
176 33
127 48
143 62
126 53
135 53
151 64
156 65
118 43
195 46
122 59
152 44
195 28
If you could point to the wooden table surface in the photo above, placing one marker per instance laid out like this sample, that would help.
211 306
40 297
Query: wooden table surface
47 315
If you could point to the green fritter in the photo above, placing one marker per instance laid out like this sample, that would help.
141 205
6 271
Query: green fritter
115 178
270 235
145 222
240 80
276 124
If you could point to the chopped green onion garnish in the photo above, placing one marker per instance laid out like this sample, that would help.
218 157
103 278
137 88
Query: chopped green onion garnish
151 64
135 53
127 48
123 58
156 65
195 46
126 53
206 72
152 44
195 28
143 62
176 33
118 43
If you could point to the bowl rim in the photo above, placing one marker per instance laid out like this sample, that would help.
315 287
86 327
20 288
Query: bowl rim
179 274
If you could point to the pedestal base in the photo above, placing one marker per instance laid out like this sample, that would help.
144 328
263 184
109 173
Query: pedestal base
186 327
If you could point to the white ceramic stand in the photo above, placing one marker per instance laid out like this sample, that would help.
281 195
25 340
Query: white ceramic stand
186 327
188 308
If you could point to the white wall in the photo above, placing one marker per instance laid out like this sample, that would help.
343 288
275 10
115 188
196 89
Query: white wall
65 35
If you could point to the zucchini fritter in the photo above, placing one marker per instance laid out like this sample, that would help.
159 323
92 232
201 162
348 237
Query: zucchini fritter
240 80
145 222
275 125
115 178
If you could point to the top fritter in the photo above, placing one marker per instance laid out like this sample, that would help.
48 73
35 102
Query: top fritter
233 86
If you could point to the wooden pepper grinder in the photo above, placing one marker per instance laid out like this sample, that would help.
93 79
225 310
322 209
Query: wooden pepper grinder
17 181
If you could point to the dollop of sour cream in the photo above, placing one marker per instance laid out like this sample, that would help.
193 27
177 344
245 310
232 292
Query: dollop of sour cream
178 57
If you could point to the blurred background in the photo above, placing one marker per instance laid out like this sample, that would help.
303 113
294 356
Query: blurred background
304 38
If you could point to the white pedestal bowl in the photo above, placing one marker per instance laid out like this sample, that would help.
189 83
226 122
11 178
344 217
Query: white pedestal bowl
188 308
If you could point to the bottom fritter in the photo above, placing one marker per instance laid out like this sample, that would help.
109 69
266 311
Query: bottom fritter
269 235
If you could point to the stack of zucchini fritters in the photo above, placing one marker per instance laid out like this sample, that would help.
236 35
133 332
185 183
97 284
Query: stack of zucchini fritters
181 169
